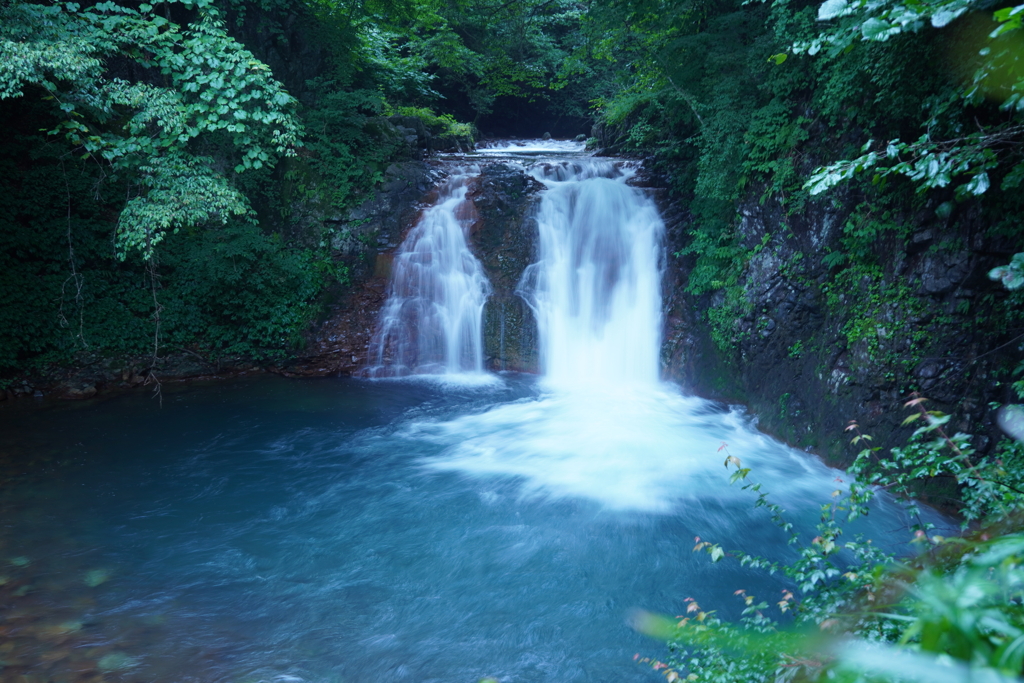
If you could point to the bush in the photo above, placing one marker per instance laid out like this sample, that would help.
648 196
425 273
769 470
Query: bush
951 613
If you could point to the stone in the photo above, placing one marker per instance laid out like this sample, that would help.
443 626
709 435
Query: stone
78 392
115 661
941 272
96 577
504 239
928 370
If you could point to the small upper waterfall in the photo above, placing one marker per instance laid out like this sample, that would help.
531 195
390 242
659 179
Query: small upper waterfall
596 289
431 321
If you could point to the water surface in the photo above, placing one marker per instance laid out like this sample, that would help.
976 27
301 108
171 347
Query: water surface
359 530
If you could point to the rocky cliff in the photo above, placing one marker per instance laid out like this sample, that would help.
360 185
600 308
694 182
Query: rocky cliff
812 346
505 238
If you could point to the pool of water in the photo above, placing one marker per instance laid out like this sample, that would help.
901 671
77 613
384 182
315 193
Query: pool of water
344 530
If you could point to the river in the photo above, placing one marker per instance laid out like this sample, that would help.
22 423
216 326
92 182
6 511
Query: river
437 527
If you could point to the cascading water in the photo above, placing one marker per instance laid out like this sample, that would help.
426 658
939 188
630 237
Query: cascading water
431 321
596 290
605 428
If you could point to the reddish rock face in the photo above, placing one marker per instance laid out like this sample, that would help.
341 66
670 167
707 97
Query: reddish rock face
340 345
505 240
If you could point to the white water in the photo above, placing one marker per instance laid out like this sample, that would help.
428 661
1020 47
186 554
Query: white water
530 147
596 290
605 428
431 322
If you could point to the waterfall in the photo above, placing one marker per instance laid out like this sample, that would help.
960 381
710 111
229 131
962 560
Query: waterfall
596 289
431 322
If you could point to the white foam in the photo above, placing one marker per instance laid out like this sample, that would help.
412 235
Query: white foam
627 449
530 147
596 290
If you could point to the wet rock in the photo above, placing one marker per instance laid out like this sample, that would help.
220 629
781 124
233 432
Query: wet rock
943 272
76 392
843 353
504 239
921 240
116 661
380 222
413 130
364 240
928 370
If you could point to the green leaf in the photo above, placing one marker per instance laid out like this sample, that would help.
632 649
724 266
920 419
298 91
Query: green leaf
877 29
979 184
944 17
830 9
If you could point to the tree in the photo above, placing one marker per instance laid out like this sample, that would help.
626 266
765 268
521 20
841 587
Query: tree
950 148
192 91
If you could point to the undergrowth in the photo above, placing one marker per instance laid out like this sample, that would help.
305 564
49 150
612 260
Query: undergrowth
853 612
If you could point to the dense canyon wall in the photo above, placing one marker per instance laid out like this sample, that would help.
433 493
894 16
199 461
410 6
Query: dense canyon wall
810 350
804 348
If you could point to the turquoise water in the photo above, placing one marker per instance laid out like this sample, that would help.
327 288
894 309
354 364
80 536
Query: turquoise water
356 530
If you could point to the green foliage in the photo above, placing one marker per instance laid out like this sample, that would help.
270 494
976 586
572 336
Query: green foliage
723 319
348 148
884 323
930 165
519 49
212 89
443 125
933 161
990 487
165 141
952 613
180 191
1012 275
236 291
224 290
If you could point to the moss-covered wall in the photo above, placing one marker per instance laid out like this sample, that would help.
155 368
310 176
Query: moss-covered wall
810 346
